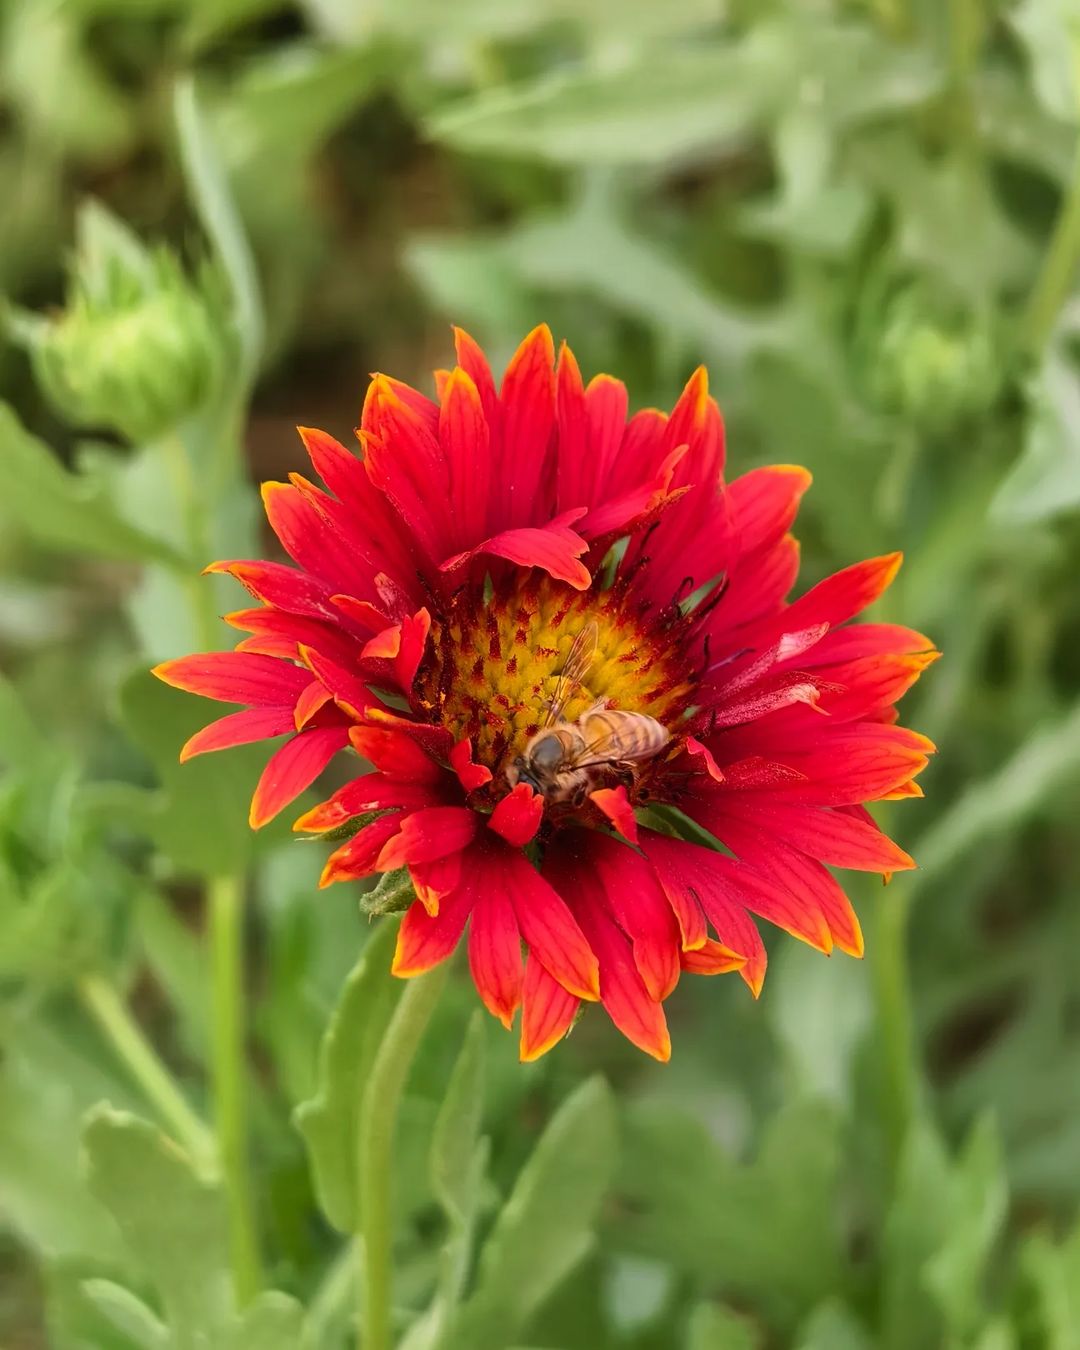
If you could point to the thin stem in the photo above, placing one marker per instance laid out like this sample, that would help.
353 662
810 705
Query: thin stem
965 35
898 1058
1055 280
331 1301
229 1070
377 1129
132 1048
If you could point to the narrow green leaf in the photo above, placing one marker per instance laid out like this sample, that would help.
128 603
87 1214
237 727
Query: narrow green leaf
1045 480
63 510
201 817
1044 762
328 1121
457 1128
831 1326
173 1222
715 1328
546 1226
685 1202
458 1164
210 189
127 1314
273 1321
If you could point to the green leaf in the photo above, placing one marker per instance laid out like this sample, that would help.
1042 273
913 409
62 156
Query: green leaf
458 1163
1045 480
715 1328
1053 1272
201 820
273 1321
546 1226
176 1225
127 1314
46 1085
210 190
63 510
1050 33
457 1128
979 1197
1042 765
832 1327
820 1011
944 1219
173 1222
328 1121
643 113
762 1230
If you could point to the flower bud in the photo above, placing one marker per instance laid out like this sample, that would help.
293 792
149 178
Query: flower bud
933 368
139 346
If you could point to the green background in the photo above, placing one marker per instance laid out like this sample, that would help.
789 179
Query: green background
216 217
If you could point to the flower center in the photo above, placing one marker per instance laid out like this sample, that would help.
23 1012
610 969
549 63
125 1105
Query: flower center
498 663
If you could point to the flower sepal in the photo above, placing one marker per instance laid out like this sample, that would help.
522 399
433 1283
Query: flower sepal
393 895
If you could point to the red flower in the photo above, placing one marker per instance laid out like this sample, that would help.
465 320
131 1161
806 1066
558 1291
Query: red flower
501 557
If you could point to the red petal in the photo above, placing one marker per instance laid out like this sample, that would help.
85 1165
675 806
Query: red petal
314 698
495 953
369 792
292 769
239 728
615 804
685 871
431 833
433 881
473 362
528 406
547 1011
465 439
298 515
357 857
395 754
695 747
762 504
622 991
349 692
517 816
286 588
549 928
554 547
471 776
236 677
424 940
414 635
576 469
639 905
866 639
712 958
845 593
830 836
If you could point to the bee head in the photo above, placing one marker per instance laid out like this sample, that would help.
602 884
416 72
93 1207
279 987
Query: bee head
518 772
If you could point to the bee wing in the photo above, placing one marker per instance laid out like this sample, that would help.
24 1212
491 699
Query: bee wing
578 660
607 741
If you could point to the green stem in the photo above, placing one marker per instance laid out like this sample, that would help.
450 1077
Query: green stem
126 1037
377 1129
1055 280
965 35
229 1071
330 1304
896 1032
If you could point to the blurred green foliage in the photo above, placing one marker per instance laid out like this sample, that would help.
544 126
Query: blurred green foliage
218 216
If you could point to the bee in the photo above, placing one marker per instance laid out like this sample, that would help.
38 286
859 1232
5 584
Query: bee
565 761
